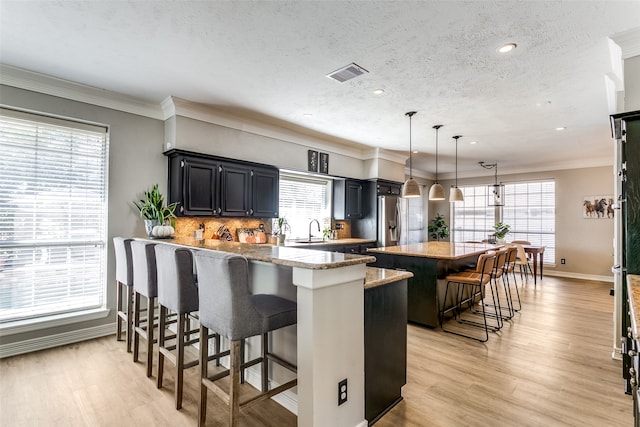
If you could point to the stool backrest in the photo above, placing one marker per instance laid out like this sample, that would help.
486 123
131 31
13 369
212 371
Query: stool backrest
225 300
485 266
124 265
522 242
145 274
520 253
177 289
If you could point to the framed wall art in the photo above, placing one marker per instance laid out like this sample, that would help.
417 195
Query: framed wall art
312 161
597 207
324 163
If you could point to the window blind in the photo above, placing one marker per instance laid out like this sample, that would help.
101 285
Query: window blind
473 220
530 210
52 215
302 199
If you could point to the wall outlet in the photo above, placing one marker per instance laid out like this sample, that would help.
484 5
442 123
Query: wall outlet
339 226
563 261
342 392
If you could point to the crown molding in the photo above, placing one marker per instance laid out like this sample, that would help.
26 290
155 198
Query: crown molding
381 153
30 80
180 107
629 42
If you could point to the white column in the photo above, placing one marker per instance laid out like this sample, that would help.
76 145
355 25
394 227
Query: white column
330 345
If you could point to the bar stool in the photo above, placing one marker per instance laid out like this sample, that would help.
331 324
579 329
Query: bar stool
227 307
523 261
498 273
124 287
145 284
177 291
477 281
510 265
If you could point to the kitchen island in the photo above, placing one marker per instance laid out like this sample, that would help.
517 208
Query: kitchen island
429 262
329 288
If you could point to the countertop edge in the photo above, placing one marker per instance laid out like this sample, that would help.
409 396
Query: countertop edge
382 276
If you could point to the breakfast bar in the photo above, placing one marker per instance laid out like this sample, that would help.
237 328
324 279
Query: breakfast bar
429 262
339 298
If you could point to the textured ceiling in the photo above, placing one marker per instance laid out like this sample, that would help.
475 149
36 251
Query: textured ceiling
269 60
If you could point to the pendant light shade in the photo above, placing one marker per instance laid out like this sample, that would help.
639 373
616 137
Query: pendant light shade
455 194
410 188
436 192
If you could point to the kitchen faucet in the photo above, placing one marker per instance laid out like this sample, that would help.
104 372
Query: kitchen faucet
316 221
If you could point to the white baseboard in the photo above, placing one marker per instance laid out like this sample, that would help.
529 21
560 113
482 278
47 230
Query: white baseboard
50 341
580 276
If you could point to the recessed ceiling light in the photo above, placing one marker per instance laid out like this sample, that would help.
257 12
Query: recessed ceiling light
415 151
307 115
561 128
543 104
378 92
507 47
473 142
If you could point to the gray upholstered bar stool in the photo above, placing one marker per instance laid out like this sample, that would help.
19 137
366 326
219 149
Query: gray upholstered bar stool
177 292
124 287
228 307
145 284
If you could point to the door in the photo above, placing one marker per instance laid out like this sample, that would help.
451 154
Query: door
235 191
200 185
265 193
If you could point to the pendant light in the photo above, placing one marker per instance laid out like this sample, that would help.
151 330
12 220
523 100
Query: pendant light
496 191
436 192
455 194
410 187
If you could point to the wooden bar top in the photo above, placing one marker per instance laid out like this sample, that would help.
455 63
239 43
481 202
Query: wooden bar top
280 255
437 250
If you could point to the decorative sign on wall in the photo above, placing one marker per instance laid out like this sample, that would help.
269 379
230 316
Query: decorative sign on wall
312 161
597 207
324 163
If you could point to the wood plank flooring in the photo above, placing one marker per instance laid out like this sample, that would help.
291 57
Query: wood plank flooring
550 366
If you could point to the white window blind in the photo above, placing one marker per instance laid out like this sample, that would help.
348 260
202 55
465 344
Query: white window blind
530 210
473 220
52 215
302 199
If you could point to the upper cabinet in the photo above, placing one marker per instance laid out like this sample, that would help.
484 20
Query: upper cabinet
347 199
210 186
388 188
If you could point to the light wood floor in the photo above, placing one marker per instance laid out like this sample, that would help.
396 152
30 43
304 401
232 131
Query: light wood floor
550 366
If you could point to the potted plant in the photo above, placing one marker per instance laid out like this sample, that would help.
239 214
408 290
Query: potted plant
438 229
500 231
158 217
280 228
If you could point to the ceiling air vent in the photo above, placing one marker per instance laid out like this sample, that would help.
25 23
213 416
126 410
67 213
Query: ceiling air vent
347 73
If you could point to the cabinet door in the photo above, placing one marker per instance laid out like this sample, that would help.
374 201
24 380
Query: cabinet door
199 187
265 192
236 190
353 200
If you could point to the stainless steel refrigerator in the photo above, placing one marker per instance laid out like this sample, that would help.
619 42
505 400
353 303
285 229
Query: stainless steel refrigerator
399 221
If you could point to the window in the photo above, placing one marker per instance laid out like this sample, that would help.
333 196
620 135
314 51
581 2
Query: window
304 198
473 220
529 209
52 215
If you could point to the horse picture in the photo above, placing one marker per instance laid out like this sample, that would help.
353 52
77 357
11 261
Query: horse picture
597 207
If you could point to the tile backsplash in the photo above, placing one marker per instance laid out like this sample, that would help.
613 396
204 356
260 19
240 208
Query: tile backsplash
186 226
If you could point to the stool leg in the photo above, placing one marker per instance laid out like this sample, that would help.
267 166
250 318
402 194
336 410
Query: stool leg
118 310
180 360
161 326
234 388
242 349
136 324
129 316
265 362
204 373
150 327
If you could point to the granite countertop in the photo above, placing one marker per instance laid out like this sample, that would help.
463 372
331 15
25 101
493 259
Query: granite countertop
633 290
382 276
436 250
280 255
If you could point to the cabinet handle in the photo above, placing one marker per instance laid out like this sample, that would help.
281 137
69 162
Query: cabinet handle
181 163
181 208
251 211
632 372
631 353
632 381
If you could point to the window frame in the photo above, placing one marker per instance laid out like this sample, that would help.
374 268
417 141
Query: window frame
59 317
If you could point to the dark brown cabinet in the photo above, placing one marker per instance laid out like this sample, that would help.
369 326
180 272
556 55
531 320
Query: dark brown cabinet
388 188
347 199
204 185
